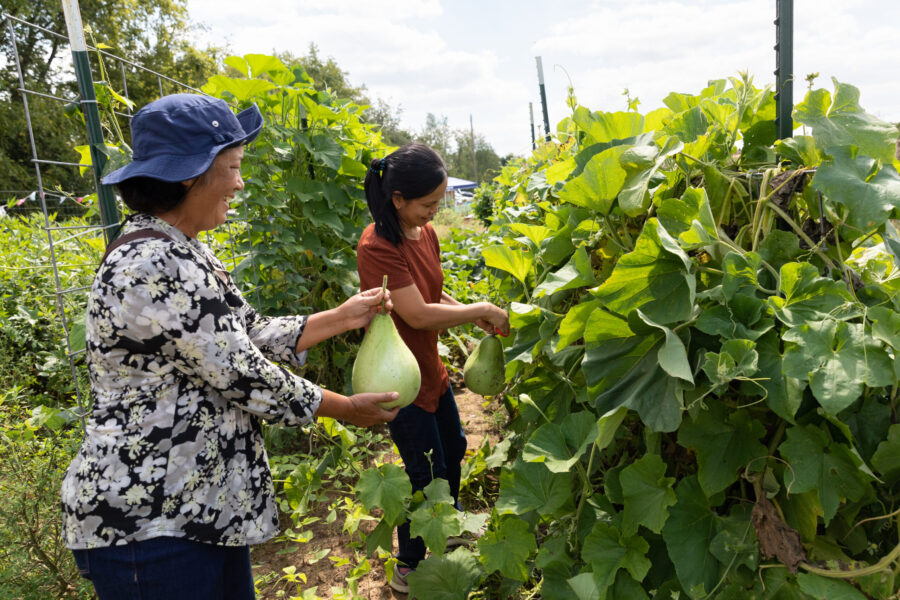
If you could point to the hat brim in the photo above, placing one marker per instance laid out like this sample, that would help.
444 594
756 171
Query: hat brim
182 168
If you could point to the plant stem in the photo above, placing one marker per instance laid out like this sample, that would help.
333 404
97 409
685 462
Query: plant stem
812 245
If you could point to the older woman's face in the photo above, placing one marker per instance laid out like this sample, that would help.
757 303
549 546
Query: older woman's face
208 200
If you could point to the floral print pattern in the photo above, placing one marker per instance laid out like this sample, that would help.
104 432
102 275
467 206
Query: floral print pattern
183 371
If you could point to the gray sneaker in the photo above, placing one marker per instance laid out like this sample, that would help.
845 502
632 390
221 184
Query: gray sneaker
398 581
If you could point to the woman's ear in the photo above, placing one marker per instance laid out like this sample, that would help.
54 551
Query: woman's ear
187 183
397 199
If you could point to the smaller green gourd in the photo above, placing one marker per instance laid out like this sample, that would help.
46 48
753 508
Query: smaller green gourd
385 363
485 369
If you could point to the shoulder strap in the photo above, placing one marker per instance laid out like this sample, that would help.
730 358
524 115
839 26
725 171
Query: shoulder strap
134 235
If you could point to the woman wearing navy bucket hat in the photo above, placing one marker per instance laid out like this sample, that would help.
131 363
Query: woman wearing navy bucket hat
171 484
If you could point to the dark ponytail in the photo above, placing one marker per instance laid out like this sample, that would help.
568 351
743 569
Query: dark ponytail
414 171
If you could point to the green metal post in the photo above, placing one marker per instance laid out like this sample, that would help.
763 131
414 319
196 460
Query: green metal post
784 68
109 212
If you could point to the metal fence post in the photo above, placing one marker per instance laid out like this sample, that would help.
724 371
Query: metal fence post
784 68
540 70
109 212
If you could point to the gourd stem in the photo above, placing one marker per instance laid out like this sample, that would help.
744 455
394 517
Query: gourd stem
383 297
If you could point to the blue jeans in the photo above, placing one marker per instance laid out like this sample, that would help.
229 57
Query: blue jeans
167 568
416 432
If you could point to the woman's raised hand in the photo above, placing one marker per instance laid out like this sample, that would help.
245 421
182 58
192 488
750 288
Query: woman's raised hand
495 321
360 309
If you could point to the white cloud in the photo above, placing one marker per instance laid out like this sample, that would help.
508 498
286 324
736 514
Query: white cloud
466 57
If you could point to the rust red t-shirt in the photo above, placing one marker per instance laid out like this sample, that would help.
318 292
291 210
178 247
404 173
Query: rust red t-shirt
412 262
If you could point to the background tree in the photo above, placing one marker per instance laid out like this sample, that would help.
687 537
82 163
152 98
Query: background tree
438 135
153 33
328 76
486 160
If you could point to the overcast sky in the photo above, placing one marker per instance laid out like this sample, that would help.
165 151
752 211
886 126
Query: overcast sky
465 57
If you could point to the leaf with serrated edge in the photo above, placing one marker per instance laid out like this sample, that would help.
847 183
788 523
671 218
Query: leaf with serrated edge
449 577
507 548
385 488
606 550
647 493
725 443
819 463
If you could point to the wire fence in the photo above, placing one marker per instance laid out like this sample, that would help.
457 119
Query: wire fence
51 207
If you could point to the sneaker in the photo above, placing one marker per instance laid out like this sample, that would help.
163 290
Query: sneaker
398 581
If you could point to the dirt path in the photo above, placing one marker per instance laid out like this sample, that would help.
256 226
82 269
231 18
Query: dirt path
269 560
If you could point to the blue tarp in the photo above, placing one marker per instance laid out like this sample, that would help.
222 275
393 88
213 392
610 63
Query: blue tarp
455 183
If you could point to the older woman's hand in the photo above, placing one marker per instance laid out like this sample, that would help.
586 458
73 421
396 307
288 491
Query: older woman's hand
360 309
366 412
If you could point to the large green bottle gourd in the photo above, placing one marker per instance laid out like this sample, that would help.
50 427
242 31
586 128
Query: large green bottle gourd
385 363
485 369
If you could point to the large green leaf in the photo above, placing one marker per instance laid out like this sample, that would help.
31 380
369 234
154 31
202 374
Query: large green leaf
386 488
560 445
867 191
506 549
575 274
449 577
584 587
623 369
838 359
571 328
886 327
809 297
535 233
688 124
241 89
604 127
887 456
531 486
656 277
737 359
735 544
263 64
839 120
726 441
818 463
517 262
606 550
647 493
826 588
434 523
800 150
781 395
598 184
640 164
689 218
672 355
688 533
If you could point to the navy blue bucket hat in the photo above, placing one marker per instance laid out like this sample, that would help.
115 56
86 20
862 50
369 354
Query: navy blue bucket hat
177 137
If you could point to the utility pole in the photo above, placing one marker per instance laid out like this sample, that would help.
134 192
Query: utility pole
540 70
531 116
784 68
109 213
474 164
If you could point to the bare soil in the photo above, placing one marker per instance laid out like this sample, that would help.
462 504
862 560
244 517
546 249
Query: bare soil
271 558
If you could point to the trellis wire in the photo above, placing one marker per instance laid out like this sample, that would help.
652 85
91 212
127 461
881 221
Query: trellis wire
72 232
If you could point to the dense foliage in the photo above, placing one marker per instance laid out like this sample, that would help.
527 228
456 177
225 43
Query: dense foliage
704 372
303 200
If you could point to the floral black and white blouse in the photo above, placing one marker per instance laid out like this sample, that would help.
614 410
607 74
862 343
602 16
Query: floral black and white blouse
183 371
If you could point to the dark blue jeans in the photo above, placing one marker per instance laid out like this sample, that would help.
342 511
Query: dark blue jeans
416 432
168 568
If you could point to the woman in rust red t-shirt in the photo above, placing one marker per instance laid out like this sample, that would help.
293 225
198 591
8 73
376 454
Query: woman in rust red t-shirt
404 191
